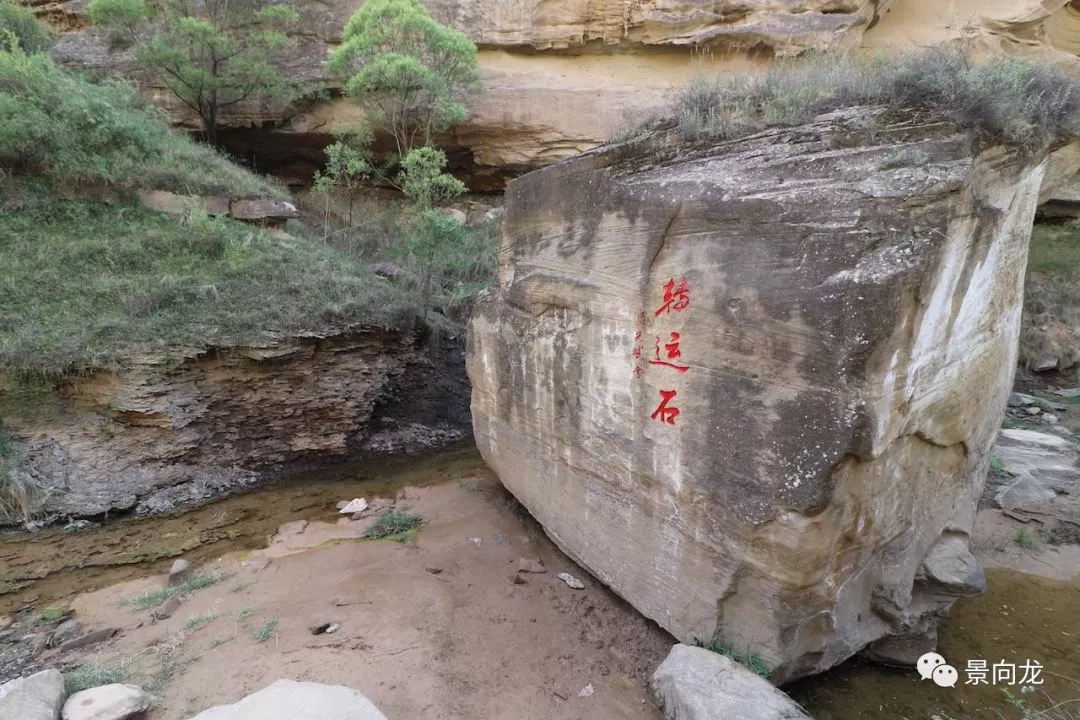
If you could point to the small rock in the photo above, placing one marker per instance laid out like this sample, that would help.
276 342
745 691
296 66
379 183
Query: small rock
255 564
531 565
356 505
333 629
1050 418
5 622
179 572
1020 400
269 209
696 684
1068 392
586 691
476 541
571 581
458 215
166 609
90 638
289 700
38 697
326 628
433 570
107 702
1033 410
519 579
67 630
1025 493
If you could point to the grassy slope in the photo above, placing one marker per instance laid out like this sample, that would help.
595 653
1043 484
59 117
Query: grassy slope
1053 280
85 282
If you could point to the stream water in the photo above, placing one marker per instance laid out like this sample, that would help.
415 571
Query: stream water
1020 618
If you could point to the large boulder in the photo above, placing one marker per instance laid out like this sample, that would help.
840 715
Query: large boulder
751 385
107 702
697 684
38 697
291 700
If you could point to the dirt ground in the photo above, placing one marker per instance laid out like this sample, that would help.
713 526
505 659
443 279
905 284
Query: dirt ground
434 627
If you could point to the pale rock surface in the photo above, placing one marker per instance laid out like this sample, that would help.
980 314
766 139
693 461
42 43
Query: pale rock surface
696 684
256 209
291 700
849 329
178 573
107 702
1039 464
38 697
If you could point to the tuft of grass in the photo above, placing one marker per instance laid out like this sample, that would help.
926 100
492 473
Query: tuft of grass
52 614
266 631
20 495
1030 540
197 621
997 468
747 659
153 598
218 642
394 524
244 614
1011 101
94 674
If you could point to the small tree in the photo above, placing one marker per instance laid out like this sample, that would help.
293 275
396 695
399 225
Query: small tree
19 28
211 54
405 69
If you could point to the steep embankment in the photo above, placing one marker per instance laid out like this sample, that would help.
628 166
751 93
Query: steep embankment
152 353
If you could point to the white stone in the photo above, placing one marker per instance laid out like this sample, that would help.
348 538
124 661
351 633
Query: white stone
356 505
38 697
107 702
178 573
586 691
571 581
696 684
291 700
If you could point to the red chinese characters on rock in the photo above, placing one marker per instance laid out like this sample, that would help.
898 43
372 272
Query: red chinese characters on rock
668 354
672 352
676 297
663 412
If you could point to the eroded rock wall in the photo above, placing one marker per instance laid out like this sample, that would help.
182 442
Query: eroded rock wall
167 429
752 386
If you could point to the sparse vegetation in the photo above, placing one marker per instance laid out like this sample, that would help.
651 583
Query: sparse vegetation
1032 540
997 468
198 621
52 614
394 524
95 674
1051 293
266 631
244 614
746 659
19 494
218 642
153 598
1011 101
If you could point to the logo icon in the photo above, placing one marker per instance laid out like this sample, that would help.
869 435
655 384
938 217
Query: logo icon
945 676
932 666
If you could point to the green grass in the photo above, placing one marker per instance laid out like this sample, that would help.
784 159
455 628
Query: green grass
1051 292
153 598
747 659
94 674
199 621
1031 540
266 631
83 284
394 524
218 642
1010 101
19 494
244 614
51 614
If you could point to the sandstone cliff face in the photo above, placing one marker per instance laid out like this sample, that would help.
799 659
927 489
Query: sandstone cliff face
753 386
563 76
165 430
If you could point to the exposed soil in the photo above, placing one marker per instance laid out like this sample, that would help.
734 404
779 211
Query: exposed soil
434 627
